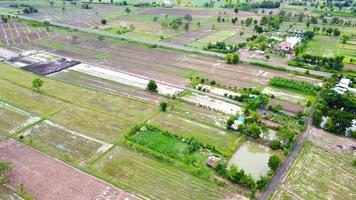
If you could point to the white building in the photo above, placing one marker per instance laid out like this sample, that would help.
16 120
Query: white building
343 86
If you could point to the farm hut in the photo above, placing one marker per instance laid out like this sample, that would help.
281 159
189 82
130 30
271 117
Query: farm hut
213 161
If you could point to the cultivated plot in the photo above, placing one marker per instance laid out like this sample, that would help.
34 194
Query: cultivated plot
287 95
46 178
94 124
218 36
313 175
65 144
18 33
13 119
152 178
125 108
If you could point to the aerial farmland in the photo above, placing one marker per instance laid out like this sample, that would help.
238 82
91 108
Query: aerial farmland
168 99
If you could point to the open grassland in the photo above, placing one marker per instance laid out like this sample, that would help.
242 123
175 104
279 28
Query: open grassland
51 87
93 124
317 174
325 46
145 27
134 171
222 140
28 99
328 46
121 107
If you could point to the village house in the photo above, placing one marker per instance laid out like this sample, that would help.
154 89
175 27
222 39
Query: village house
289 43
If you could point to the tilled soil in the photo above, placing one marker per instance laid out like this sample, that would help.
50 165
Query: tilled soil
47 178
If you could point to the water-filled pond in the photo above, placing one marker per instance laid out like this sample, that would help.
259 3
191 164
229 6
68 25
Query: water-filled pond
252 158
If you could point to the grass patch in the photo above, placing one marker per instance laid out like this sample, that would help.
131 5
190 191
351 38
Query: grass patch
325 46
91 123
29 100
224 141
51 87
121 107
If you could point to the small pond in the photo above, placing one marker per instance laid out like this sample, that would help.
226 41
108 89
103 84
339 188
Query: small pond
252 158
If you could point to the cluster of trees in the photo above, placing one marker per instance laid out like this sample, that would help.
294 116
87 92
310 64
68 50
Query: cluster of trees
178 22
125 29
335 63
232 58
274 21
27 9
340 110
294 85
221 47
328 31
260 41
254 5
5 18
85 6
235 175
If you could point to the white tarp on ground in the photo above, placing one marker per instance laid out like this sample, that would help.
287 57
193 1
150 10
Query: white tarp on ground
124 78
7 54
215 104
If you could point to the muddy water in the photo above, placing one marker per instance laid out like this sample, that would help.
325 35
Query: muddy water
252 158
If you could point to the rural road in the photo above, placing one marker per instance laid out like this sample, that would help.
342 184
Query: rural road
171 46
283 168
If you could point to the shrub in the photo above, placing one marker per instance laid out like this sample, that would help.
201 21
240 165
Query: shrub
163 106
229 58
273 162
275 145
262 182
152 86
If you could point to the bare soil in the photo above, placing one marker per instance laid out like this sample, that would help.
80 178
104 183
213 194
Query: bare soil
47 178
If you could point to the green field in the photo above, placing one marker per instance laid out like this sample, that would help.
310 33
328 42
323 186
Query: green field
218 36
161 143
224 141
328 46
325 46
317 174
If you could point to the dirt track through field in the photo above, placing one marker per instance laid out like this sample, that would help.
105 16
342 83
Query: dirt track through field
46 178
